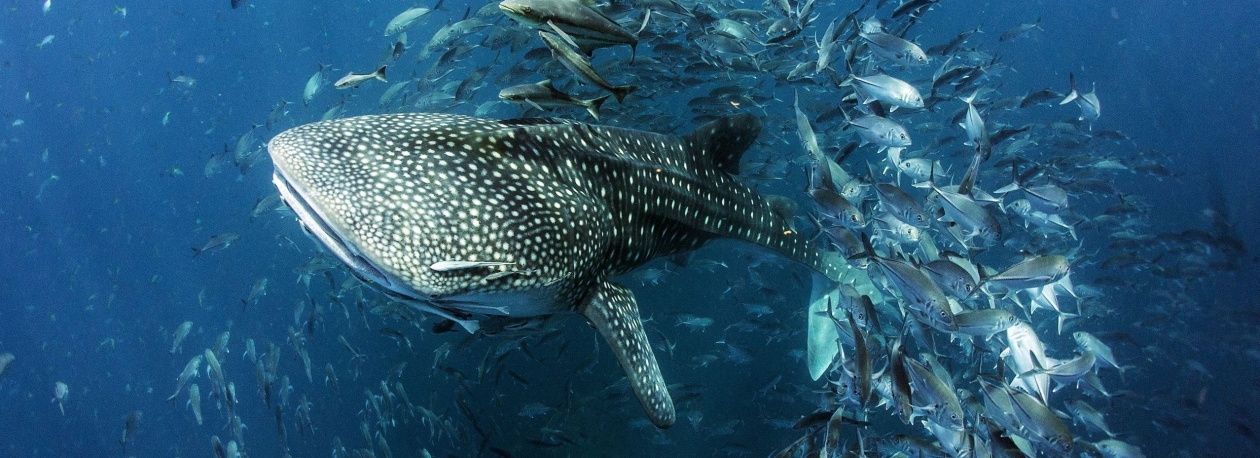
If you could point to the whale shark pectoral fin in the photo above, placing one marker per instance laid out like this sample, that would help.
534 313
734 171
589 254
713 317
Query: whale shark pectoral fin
612 310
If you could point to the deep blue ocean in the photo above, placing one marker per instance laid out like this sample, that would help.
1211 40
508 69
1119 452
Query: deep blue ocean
110 111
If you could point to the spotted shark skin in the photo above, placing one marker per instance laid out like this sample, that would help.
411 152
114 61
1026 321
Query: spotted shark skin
546 211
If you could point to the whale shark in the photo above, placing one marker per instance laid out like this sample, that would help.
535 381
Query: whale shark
468 218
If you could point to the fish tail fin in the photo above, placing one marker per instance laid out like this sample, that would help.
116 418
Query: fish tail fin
647 17
196 251
1073 94
634 47
620 92
592 106
1063 317
380 74
970 98
1123 368
867 254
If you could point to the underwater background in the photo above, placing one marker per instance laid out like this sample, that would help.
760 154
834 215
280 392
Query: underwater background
119 126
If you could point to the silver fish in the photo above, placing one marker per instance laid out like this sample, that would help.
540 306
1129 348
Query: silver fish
1090 108
1028 354
190 370
985 322
881 131
894 48
180 333
889 90
1111 448
194 400
355 79
543 95
313 85
406 20
580 66
588 27
219 241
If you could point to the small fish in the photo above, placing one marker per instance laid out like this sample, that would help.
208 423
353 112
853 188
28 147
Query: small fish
984 322
6 359
355 79
182 79
214 369
406 20
60 392
331 378
180 334
447 266
881 131
313 85
889 90
1021 30
1090 109
580 66
695 322
250 351
45 42
543 95
194 400
534 410
1111 448
588 28
129 430
894 48
266 204
221 344
220 241
258 290
47 6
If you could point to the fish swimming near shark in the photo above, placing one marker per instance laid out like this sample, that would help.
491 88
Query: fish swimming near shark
565 205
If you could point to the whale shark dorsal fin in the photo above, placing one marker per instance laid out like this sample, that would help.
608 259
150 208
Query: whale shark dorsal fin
611 308
723 142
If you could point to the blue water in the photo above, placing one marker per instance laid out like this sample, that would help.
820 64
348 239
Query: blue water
102 195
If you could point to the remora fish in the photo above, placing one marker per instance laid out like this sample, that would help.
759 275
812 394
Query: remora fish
544 95
570 204
581 66
355 79
589 28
